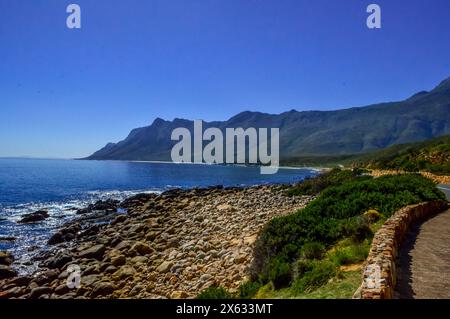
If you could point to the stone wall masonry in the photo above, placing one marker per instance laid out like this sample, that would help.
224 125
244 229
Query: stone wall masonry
379 275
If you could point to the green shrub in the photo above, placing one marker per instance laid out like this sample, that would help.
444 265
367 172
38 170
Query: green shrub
357 228
360 170
249 289
351 254
313 250
410 167
280 273
315 185
315 274
214 292
327 218
372 215
303 266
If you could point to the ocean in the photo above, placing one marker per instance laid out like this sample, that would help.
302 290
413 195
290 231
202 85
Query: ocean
63 186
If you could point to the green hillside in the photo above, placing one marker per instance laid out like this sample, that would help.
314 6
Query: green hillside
432 156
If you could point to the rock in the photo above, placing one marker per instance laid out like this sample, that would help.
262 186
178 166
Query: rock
68 233
136 289
7 238
142 248
13 292
110 269
82 211
118 260
22 281
240 259
90 231
7 272
164 267
205 277
34 217
115 241
123 245
172 243
109 205
61 259
62 289
46 277
119 219
102 289
56 238
139 260
95 252
39 291
224 207
6 258
124 272
89 280
91 270
179 295
151 235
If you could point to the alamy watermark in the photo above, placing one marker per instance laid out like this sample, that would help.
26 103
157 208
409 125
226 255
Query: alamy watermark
240 146
74 278
73 20
373 276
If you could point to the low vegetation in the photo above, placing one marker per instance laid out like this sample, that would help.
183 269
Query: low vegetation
315 185
290 252
430 156
314 251
214 292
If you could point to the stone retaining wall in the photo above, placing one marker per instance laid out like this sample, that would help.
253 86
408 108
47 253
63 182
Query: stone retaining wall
379 271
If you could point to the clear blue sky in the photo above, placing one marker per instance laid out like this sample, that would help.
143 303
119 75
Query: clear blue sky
66 93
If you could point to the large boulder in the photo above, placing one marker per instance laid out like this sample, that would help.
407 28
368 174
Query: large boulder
102 289
6 258
141 248
7 272
39 291
67 233
109 205
164 267
38 216
95 252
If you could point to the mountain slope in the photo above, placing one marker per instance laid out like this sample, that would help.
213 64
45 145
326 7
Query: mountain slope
431 155
349 131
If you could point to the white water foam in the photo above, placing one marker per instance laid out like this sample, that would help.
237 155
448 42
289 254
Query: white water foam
32 238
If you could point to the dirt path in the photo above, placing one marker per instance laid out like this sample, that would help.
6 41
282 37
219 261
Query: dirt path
424 260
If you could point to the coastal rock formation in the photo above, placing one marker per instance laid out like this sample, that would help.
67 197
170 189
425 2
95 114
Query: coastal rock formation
171 245
6 259
34 217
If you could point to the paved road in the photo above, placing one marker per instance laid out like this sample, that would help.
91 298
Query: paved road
424 259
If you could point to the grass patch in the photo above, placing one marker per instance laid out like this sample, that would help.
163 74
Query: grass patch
351 254
342 287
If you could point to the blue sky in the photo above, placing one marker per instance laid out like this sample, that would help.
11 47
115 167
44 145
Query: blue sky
66 93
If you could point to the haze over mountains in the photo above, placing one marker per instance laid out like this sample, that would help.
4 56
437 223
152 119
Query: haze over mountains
310 133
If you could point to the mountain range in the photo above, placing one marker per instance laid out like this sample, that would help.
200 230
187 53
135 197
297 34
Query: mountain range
356 130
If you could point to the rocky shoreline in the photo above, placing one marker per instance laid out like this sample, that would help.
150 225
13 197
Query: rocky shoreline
169 245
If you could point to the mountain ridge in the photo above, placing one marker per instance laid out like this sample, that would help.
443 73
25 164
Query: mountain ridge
354 130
